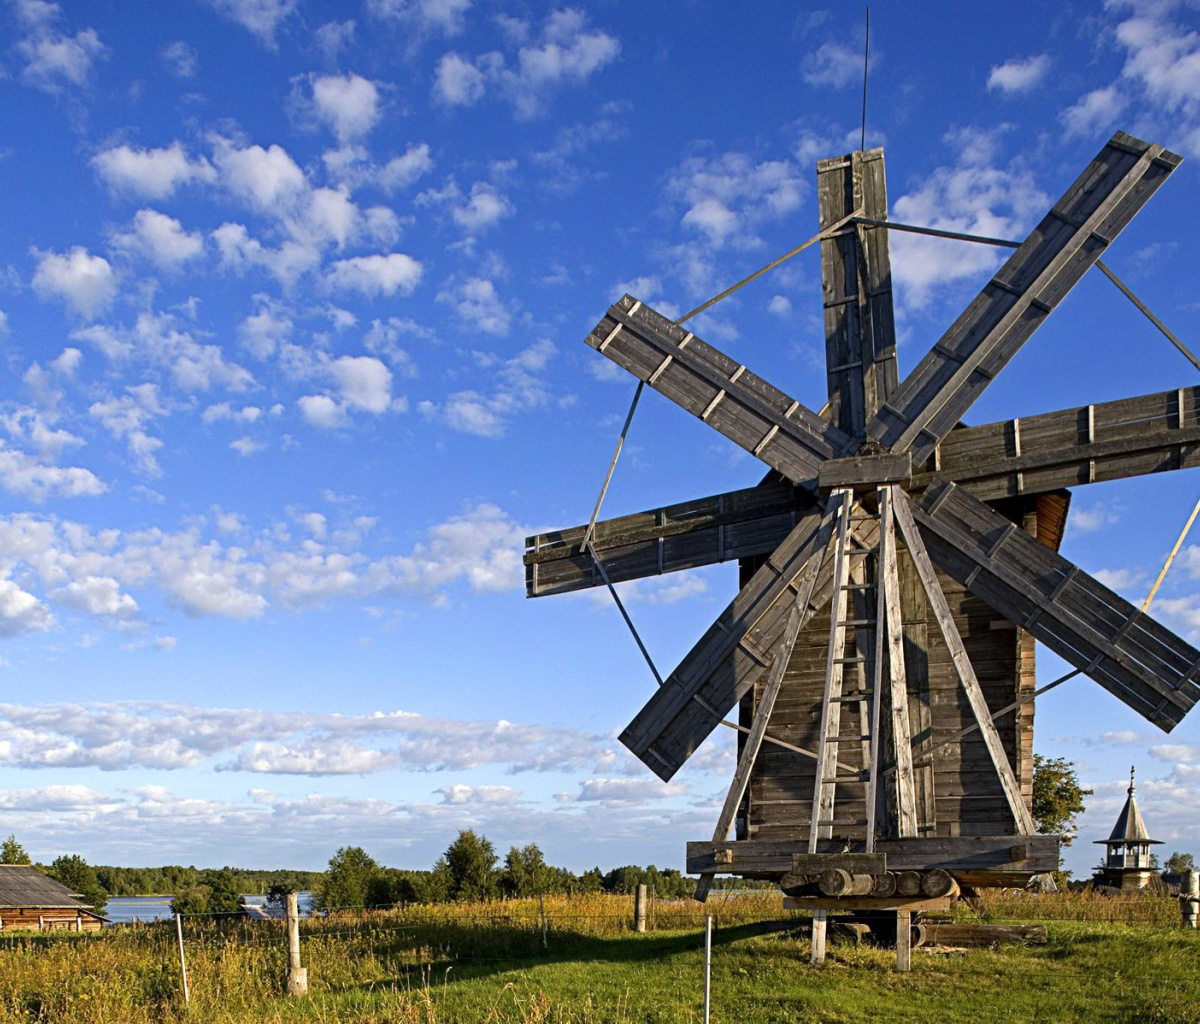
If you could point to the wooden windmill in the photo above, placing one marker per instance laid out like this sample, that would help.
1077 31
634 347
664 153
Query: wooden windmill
897 567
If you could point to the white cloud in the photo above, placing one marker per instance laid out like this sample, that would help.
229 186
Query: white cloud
405 170
261 18
376 274
333 37
179 59
626 792
246 446
24 475
287 263
972 196
160 239
85 282
568 53
1119 579
484 207
1019 75
780 305
1095 517
457 82
363 382
834 65
266 178
347 104
519 385
460 794
322 411
445 16
53 60
1096 111
21 612
478 305
127 417
153 173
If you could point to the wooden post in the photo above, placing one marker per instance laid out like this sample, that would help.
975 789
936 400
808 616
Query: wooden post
542 914
297 978
707 966
1189 897
640 898
187 996
818 937
903 940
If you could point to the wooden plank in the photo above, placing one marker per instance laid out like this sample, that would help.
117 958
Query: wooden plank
860 344
855 863
824 786
865 470
956 854
931 904
721 668
962 663
1031 283
753 742
1087 444
904 939
1135 658
901 731
717 528
706 382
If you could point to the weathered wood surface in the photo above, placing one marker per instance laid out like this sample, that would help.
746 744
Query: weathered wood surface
1086 444
719 528
858 863
1133 657
860 337
865 470
962 662
859 903
839 882
1026 289
942 933
735 402
732 654
1026 855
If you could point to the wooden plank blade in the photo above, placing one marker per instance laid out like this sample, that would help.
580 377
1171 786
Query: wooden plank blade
1135 658
734 651
705 531
1069 239
752 413
1087 444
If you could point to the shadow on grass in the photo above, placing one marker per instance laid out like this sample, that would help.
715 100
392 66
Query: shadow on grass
458 953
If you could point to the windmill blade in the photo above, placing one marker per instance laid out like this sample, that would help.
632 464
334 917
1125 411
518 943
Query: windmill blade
1090 443
723 527
1135 658
735 650
772 426
1069 239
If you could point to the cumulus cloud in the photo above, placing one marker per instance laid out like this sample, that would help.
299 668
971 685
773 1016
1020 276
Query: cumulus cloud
29 477
266 178
159 239
478 305
261 18
152 173
54 60
347 104
85 282
834 65
179 59
518 385
364 382
376 274
21 612
444 16
975 195
127 417
1019 75
457 81
1095 112
322 411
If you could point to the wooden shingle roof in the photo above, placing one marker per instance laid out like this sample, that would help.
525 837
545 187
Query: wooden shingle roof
25 886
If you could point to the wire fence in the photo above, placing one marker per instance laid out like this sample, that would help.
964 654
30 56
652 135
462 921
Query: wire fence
422 950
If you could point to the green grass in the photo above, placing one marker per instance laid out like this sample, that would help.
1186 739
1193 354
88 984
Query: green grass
447 965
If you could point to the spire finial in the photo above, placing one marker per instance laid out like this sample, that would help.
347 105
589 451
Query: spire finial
1131 767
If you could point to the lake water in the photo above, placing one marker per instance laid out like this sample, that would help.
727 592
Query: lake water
123 909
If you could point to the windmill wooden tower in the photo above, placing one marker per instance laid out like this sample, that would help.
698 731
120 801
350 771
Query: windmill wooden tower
896 568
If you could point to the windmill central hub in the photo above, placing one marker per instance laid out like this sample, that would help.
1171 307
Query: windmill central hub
865 471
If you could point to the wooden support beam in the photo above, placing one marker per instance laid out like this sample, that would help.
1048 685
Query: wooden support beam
865 471
753 742
732 400
901 731
723 665
962 665
1068 240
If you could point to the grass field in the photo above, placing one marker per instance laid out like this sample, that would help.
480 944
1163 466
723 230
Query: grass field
487 963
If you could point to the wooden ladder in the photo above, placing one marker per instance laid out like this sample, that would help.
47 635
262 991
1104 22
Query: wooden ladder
851 597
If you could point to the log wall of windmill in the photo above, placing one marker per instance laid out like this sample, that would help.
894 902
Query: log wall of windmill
958 794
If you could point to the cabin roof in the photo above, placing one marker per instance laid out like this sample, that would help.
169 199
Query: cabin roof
22 886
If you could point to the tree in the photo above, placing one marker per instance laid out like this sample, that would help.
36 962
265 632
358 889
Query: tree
471 860
1057 796
191 899
224 892
526 873
276 901
346 882
12 852
80 877
1178 863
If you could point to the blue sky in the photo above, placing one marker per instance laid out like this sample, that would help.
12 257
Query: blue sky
292 306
